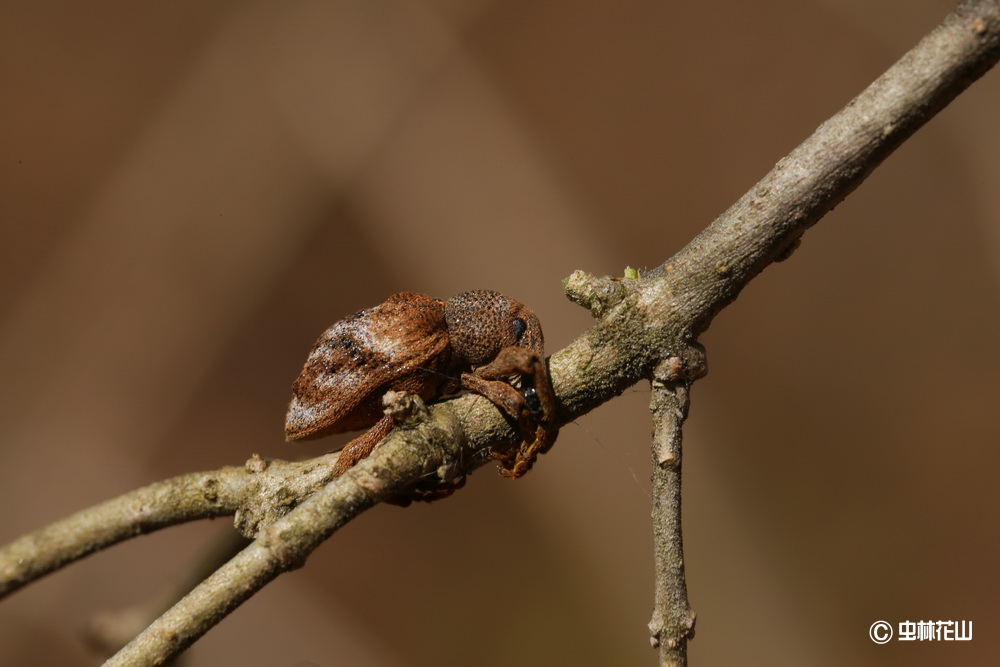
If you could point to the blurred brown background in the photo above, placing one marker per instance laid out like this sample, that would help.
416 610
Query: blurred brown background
190 192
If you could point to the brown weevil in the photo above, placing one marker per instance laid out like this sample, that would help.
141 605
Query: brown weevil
474 341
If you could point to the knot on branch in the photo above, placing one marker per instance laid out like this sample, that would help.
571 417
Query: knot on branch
681 369
672 635
256 463
276 487
598 295
407 410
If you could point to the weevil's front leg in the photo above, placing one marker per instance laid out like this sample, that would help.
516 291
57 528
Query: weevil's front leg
533 406
505 397
536 386
517 460
362 445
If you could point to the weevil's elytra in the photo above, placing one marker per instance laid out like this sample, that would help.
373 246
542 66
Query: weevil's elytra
401 344
425 346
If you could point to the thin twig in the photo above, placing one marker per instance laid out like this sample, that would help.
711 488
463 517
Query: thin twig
257 493
672 624
166 503
107 632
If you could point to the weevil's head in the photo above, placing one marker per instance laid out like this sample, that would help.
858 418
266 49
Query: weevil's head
483 322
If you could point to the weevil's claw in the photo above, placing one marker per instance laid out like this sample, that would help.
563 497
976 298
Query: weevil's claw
519 460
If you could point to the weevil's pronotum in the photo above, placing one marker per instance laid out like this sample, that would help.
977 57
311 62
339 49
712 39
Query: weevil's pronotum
475 341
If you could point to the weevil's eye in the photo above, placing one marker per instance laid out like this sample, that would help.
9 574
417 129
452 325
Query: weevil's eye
519 328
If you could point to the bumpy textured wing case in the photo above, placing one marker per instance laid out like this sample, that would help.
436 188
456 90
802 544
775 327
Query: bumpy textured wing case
401 344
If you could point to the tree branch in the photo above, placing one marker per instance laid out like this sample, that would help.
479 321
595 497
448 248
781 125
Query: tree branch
673 619
166 503
643 324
